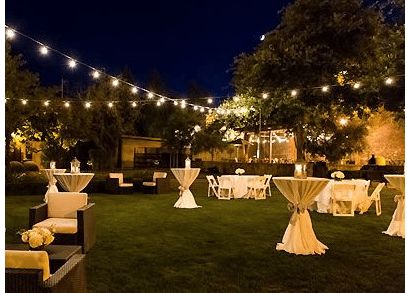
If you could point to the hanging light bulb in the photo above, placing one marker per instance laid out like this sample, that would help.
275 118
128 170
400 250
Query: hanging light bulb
134 104
66 104
325 88
202 109
195 107
265 95
46 103
175 103
134 90
356 85
210 100
162 100
343 121
72 63
183 105
389 81
150 95
115 82
262 37
43 50
10 34
158 103
110 104
95 74
294 93
87 105
24 101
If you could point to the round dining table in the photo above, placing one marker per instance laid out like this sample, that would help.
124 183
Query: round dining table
299 237
396 227
52 187
185 177
74 182
239 184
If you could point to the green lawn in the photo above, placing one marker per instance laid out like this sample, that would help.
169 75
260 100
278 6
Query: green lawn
146 245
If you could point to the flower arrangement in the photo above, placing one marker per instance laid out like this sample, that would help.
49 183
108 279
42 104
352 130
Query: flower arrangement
37 238
239 171
337 175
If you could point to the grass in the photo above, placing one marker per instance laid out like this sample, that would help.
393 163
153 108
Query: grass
146 245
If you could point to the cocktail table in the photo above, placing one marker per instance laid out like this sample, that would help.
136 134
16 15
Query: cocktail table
58 254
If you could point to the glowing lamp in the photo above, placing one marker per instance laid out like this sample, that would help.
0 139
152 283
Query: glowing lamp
134 90
72 63
10 34
43 50
75 166
325 88
300 170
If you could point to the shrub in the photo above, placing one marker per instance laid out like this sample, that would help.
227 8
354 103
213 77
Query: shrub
16 167
30 166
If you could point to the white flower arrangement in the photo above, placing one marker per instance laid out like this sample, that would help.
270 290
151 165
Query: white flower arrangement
239 171
337 175
37 237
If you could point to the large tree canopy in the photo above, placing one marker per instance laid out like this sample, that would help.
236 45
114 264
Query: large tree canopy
335 43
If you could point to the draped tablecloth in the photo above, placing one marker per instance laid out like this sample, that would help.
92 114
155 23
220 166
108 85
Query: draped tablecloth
74 182
360 195
396 227
185 177
239 184
52 188
299 237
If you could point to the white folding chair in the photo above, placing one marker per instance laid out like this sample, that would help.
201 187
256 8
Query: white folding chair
342 199
212 186
268 180
225 188
257 188
375 196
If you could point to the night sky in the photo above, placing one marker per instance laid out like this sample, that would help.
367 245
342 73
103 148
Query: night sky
184 40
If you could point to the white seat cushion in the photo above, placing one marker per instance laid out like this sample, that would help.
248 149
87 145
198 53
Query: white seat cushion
65 204
60 225
118 176
149 184
21 259
126 185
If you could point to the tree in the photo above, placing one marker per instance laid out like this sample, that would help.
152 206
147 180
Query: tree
337 43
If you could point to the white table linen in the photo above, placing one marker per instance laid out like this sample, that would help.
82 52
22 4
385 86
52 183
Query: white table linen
396 227
74 182
299 237
52 188
185 177
360 195
239 184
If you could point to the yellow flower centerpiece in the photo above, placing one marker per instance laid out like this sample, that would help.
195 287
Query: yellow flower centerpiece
37 238
239 171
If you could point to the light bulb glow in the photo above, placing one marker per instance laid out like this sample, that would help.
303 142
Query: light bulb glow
162 100
87 105
150 95
72 63
389 81
175 103
134 90
46 103
343 121
24 102
294 93
10 34
110 104
195 107
95 74
325 88
134 104
202 109
356 85
210 100
265 96
66 104
115 82
158 103
262 37
43 50
183 105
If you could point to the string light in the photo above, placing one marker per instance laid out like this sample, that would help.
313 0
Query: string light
72 63
183 106
150 95
356 85
10 34
115 82
343 121
158 103
46 103
195 107
210 100
175 103
265 96
87 105
134 104
325 88
262 37
134 90
294 93
66 104
24 102
202 109
389 81
95 74
43 50
162 100
110 104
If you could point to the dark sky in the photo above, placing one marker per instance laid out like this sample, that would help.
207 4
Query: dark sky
184 40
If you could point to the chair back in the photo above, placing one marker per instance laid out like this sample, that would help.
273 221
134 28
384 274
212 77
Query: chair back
117 175
212 181
376 193
268 179
343 191
65 204
157 175
21 259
